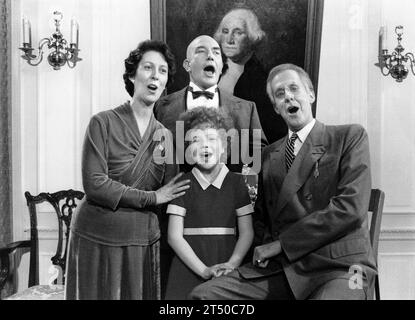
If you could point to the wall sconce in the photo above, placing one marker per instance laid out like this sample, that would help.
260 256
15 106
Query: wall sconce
61 53
394 63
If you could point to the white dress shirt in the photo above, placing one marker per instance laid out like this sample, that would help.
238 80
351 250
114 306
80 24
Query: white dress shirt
302 135
202 101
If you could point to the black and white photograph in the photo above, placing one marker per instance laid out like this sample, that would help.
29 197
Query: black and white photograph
183 150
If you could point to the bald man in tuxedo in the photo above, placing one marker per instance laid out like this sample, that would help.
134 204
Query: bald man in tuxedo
204 65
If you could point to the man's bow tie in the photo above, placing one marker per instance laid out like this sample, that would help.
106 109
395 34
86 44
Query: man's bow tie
197 94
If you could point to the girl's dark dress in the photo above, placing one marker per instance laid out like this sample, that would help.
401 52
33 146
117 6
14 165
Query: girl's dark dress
205 207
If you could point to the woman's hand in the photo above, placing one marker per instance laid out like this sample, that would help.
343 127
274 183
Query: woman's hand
222 269
215 271
172 190
208 273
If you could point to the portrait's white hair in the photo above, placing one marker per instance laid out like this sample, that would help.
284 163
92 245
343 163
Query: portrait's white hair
253 28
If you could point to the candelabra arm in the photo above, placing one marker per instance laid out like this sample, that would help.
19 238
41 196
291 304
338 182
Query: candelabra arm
72 55
385 63
411 58
32 59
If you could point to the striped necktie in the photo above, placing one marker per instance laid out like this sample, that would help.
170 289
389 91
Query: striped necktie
289 151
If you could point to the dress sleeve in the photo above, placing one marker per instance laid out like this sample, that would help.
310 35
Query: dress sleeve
243 205
97 185
177 207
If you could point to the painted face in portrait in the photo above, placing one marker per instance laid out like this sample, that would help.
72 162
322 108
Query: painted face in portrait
150 78
206 148
234 38
292 99
204 62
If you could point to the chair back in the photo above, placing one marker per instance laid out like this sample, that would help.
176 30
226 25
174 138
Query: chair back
63 203
377 198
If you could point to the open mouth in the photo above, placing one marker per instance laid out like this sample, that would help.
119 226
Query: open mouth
205 156
152 87
209 70
292 110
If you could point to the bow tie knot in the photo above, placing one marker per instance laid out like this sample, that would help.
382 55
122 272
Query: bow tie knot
197 94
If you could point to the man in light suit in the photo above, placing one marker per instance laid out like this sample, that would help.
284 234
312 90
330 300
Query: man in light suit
311 212
204 64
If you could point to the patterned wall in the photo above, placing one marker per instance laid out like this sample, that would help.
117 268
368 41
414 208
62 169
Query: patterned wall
5 126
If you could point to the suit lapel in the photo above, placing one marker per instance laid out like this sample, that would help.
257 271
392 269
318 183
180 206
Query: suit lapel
277 167
227 103
311 151
176 106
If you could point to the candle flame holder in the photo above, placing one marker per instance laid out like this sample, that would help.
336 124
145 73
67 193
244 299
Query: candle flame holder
61 53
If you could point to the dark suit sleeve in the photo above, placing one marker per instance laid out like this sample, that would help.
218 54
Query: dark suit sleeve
345 211
256 124
156 110
260 217
257 139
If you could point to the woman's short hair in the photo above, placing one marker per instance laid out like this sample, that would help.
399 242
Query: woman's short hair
305 78
135 56
253 27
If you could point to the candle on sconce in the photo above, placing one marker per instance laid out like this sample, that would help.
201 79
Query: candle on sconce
27 38
74 32
30 32
77 34
23 27
383 37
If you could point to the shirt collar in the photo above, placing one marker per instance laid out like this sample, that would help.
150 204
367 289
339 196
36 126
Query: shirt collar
204 183
303 133
197 88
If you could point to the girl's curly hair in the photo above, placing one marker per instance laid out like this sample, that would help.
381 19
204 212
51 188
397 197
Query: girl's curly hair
207 118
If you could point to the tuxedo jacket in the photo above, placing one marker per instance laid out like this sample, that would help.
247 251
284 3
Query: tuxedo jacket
318 210
244 114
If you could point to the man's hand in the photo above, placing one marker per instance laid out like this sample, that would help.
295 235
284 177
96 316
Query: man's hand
263 253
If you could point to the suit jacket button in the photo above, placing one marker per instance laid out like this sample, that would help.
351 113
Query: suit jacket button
309 197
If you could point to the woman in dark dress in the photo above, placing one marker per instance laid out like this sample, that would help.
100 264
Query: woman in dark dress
114 242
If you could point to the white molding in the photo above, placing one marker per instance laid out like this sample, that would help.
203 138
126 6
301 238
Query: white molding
48 254
396 254
394 234
399 212
45 232
397 234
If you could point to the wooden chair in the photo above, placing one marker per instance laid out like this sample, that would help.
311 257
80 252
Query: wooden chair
64 215
377 198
